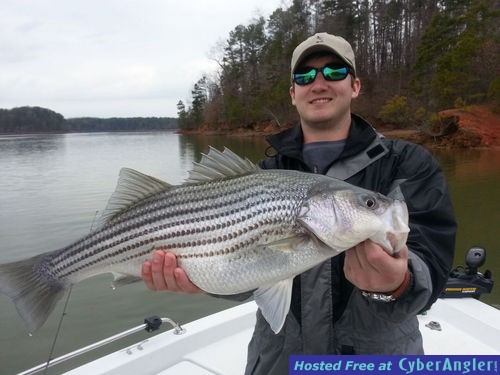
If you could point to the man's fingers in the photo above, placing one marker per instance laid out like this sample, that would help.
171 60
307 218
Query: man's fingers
147 276
183 282
169 266
157 271
162 273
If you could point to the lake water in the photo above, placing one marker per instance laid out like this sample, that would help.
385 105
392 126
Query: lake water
52 188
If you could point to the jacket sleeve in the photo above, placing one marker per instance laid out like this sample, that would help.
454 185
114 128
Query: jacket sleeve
431 241
431 218
411 302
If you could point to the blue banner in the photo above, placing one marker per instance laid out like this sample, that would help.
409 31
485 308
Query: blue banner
393 364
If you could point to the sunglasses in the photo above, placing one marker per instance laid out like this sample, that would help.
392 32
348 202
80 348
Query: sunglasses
306 75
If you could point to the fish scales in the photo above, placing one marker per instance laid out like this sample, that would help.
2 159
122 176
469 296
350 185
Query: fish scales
226 210
159 211
233 227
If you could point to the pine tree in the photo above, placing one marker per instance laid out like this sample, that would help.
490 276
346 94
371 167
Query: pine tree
181 112
449 62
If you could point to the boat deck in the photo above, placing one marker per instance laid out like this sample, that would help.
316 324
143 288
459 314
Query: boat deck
217 344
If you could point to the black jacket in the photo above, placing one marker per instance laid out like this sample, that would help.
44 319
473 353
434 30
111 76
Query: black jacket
329 315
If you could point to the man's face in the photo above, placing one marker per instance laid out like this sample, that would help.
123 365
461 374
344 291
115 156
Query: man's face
324 104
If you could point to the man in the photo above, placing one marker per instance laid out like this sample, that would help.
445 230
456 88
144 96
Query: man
363 301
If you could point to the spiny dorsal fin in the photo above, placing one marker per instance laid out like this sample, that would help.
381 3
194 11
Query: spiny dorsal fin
216 165
132 187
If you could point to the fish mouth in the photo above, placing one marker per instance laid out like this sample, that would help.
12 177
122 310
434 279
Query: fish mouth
397 241
398 236
393 238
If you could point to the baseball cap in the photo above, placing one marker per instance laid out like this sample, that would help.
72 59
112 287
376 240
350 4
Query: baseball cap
324 42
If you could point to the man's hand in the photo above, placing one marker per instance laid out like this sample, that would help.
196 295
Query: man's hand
163 273
370 268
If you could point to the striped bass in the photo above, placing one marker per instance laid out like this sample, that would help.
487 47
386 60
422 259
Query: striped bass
233 227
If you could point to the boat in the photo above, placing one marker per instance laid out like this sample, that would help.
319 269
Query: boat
458 323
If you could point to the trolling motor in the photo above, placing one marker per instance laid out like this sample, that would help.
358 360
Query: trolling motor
468 281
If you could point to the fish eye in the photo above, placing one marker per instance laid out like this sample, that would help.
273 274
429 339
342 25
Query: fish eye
370 202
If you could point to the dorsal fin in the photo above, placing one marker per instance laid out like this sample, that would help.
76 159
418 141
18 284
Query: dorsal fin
132 187
216 165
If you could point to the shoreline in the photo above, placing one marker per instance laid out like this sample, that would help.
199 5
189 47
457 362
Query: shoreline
474 127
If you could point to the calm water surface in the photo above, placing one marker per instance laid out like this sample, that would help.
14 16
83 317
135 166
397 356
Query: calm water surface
52 189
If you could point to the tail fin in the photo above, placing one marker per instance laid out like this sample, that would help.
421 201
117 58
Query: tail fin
34 295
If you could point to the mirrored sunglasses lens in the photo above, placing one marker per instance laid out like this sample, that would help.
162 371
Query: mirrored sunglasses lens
305 78
335 74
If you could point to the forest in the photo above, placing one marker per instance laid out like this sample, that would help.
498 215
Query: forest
24 120
414 58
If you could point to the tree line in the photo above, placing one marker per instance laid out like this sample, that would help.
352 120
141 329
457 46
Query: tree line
42 120
121 124
427 54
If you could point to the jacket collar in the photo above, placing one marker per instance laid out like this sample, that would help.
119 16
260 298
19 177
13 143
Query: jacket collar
289 142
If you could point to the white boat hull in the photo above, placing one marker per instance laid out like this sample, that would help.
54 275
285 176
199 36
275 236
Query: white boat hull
217 344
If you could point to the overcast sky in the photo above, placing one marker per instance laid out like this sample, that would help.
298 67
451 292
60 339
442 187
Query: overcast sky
113 58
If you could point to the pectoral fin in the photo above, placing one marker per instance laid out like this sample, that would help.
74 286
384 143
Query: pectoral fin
287 244
274 302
